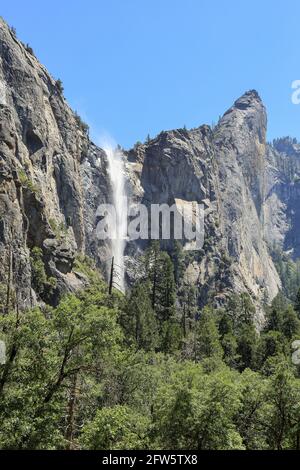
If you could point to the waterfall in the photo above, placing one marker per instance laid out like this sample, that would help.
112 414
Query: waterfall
119 232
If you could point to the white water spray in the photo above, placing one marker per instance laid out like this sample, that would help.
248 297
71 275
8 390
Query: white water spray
119 232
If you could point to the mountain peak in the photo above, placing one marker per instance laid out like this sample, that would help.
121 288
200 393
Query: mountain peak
244 119
247 100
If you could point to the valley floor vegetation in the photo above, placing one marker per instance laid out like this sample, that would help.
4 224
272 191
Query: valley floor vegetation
149 370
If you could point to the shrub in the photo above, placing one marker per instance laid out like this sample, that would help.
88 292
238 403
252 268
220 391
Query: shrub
81 124
41 283
29 49
38 273
59 86
26 182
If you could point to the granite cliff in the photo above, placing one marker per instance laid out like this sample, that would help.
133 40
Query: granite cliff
52 179
48 166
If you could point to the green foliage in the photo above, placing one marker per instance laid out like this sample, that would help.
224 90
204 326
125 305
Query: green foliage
170 336
289 272
59 86
118 427
229 344
206 337
188 297
178 261
86 266
159 271
240 310
138 319
247 340
282 317
3 294
271 344
81 124
250 419
45 354
41 283
239 335
127 395
297 303
149 370
26 182
282 409
291 323
30 362
59 229
196 411
29 49
160 275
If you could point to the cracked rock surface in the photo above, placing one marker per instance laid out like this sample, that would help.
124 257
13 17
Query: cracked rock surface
53 178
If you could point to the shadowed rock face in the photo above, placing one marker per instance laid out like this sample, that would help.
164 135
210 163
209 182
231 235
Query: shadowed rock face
282 200
52 179
225 169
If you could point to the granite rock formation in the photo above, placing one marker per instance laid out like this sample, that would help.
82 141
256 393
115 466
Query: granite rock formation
53 178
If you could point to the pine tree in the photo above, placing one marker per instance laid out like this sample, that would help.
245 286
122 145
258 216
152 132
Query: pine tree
240 310
138 319
282 416
291 323
247 346
187 297
274 314
271 345
160 272
152 270
160 278
297 304
207 339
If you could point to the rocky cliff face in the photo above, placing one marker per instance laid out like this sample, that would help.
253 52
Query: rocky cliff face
282 208
47 167
52 179
226 170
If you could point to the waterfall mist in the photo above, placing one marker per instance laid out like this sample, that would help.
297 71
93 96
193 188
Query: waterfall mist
119 232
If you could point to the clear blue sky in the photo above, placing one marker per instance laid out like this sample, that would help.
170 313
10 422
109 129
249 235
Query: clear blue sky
133 67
